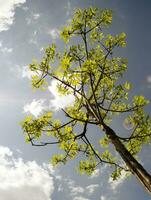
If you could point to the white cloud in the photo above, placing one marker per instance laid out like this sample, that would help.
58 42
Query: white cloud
116 183
23 180
35 33
68 8
80 198
70 185
91 188
60 188
33 41
22 72
95 174
99 171
32 18
41 49
36 107
36 16
58 177
59 101
28 20
33 38
4 49
25 8
7 12
148 79
25 72
76 190
103 197
54 33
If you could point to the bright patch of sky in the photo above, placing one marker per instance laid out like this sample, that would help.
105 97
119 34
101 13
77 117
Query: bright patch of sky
54 33
26 73
103 197
59 101
36 107
56 102
80 198
114 184
149 79
95 174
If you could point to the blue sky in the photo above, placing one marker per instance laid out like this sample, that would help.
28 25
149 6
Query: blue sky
26 27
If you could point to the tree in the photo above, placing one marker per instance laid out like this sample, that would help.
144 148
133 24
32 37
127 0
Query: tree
88 70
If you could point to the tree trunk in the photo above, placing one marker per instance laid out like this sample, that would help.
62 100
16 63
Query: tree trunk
135 167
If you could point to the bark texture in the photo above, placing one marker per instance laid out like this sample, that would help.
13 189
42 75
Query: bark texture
135 167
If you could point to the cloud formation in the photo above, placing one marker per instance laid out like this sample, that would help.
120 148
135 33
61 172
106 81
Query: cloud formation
80 198
95 173
32 18
68 9
91 188
76 191
148 78
54 33
23 180
116 183
59 101
4 49
36 16
102 197
7 12
25 72
36 107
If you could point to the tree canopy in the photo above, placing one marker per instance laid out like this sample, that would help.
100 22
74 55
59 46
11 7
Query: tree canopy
89 69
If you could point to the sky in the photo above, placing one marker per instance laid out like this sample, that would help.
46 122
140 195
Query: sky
26 28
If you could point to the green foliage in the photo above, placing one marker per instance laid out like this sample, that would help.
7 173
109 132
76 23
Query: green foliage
116 174
88 70
87 166
104 142
34 127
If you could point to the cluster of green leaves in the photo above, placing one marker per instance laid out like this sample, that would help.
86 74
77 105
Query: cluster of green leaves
35 127
40 69
91 17
88 70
